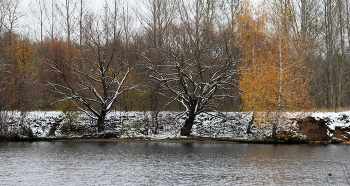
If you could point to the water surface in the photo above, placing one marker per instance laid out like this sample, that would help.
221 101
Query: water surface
158 163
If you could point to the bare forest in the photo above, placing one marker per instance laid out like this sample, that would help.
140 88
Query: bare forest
192 56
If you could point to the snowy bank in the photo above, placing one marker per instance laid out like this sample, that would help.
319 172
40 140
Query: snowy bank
166 125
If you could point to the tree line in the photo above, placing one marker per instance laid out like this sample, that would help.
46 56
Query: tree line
198 56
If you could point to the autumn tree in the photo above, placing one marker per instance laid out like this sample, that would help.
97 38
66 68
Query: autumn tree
20 75
273 77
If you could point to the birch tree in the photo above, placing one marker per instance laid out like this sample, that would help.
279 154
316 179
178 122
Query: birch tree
273 77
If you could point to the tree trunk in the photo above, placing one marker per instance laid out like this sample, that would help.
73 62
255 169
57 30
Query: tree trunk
155 121
250 124
274 130
100 123
186 129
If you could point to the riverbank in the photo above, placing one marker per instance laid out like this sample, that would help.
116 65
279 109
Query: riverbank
193 141
178 140
150 140
143 126
220 141
173 140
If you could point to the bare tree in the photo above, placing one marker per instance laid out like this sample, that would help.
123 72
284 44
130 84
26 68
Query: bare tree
231 9
100 76
196 64
38 9
157 18
50 13
68 13
323 23
3 13
12 15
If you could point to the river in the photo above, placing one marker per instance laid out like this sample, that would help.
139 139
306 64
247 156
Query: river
161 163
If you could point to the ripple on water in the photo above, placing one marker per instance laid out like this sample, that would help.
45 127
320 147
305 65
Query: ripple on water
155 163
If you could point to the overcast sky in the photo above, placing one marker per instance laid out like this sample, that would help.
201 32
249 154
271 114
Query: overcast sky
28 24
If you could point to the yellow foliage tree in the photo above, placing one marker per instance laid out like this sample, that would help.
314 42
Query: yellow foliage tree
273 78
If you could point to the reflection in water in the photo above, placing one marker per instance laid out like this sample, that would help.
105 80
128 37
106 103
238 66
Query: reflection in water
154 163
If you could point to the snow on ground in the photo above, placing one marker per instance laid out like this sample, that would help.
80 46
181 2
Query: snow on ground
333 119
230 125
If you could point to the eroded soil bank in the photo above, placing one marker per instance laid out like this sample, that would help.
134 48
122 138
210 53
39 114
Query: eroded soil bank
315 130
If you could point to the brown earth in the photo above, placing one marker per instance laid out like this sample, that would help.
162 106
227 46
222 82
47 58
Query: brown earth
341 134
315 130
